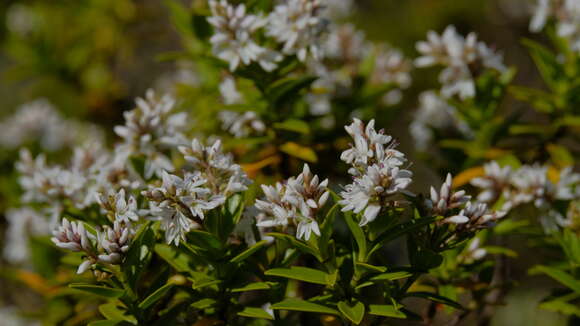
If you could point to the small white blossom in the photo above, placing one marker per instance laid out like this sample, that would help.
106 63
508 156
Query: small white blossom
493 183
229 92
242 124
473 217
567 16
22 223
118 206
297 25
233 40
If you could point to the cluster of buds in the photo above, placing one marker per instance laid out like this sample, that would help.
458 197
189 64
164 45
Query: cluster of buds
443 201
107 247
297 202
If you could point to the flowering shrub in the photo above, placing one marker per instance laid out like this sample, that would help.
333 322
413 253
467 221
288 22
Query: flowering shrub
283 203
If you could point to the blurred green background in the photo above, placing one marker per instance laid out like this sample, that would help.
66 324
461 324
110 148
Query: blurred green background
91 58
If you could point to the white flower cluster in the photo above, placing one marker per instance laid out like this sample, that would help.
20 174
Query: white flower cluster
296 202
434 113
294 24
181 202
234 36
567 16
528 184
461 57
150 129
39 121
377 170
345 50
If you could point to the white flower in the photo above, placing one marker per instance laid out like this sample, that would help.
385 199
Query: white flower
22 223
370 192
530 184
242 124
297 202
229 93
118 206
541 14
233 40
493 183
391 67
473 217
297 24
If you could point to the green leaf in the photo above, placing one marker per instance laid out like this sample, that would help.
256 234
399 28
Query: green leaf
399 230
299 151
546 62
155 296
305 274
254 287
562 307
294 125
286 89
102 291
436 298
305 306
386 311
113 311
249 252
296 244
203 303
105 323
426 259
354 313
391 276
254 312
139 255
558 275
179 261
372 268
358 234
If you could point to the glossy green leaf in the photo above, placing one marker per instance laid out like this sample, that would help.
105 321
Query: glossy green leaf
253 312
156 296
249 252
386 311
304 274
305 306
296 244
113 311
392 276
558 275
203 303
99 290
436 298
254 287
294 125
302 152
179 261
358 235
353 312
